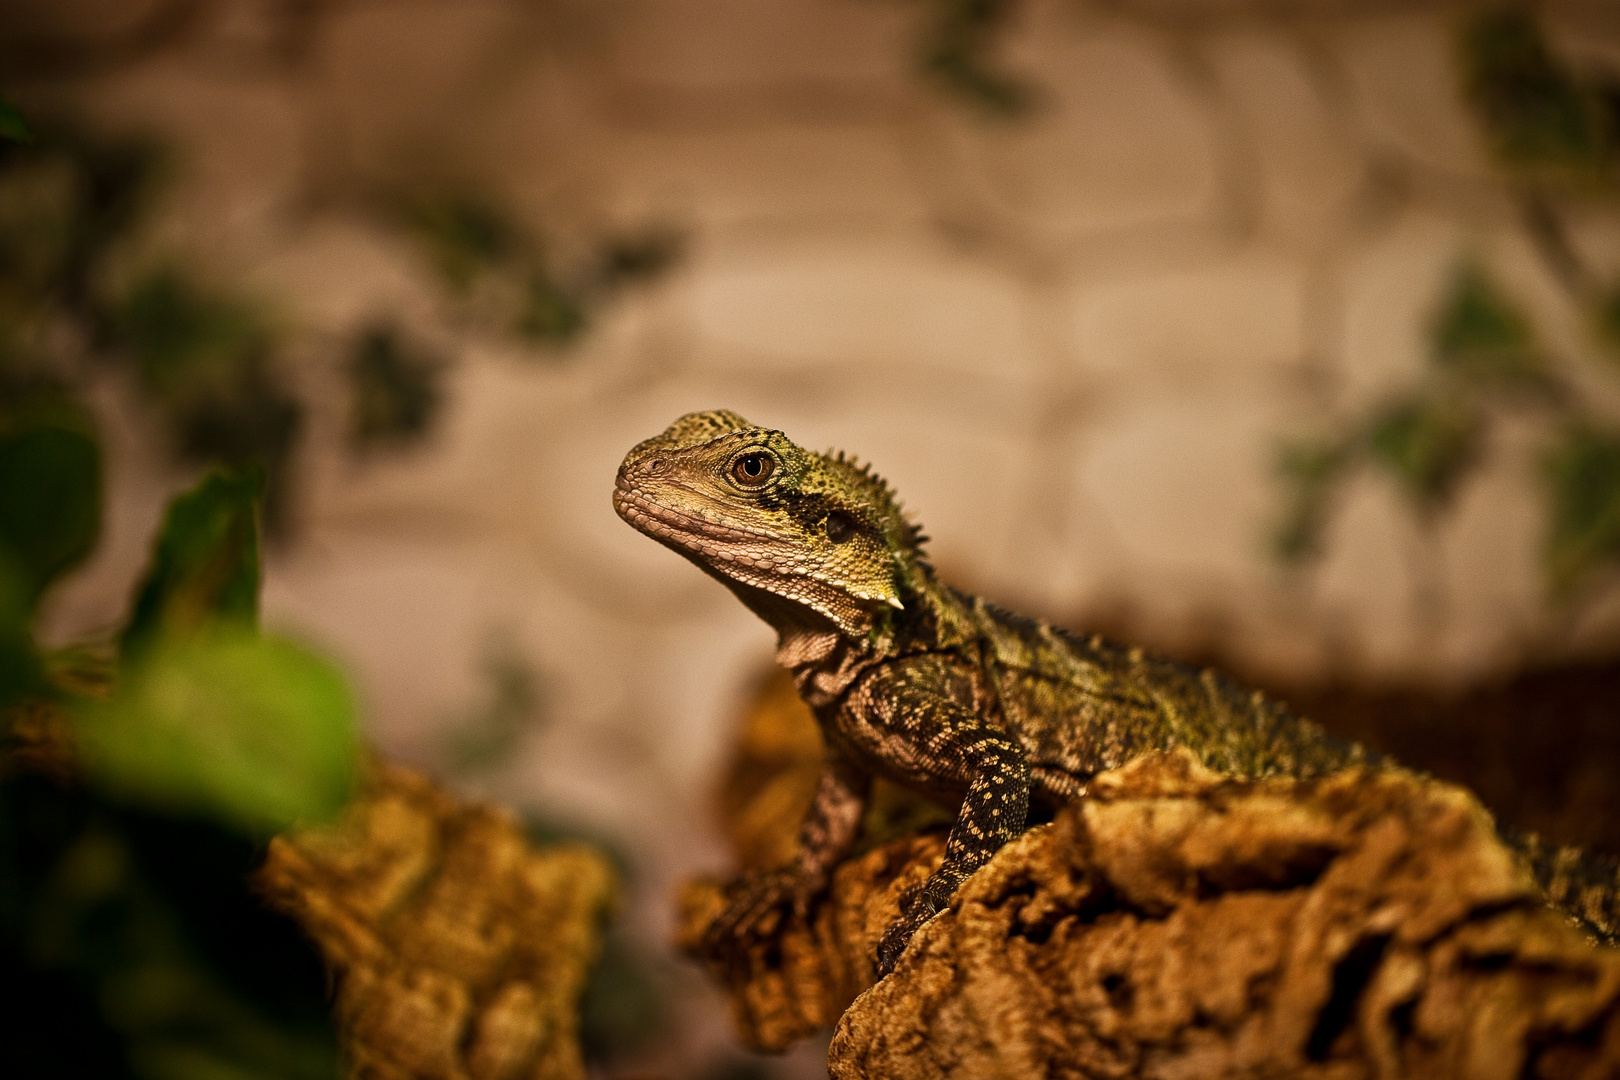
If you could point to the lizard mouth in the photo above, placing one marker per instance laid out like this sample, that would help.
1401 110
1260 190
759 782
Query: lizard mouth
714 543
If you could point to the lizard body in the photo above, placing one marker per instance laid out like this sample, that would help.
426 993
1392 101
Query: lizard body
914 681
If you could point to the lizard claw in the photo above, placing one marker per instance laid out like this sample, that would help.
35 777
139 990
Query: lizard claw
756 906
917 906
897 937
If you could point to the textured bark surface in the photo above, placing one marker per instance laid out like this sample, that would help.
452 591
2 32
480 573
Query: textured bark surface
457 949
1177 924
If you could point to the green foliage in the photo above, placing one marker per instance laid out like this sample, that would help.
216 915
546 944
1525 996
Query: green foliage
205 562
12 125
209 716
506 278
1428 445
1482 337
514 704
1608 318
549 313
955 42
247 729
1485 355
625 1007
1537 113
66 203
1484 358
179 336
50 503
555 311
396 389
1582 471
144 954
463 235
206 360
20 672
1310 470
50 515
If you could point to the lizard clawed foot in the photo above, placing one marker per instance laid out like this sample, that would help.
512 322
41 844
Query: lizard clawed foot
917 906
756 905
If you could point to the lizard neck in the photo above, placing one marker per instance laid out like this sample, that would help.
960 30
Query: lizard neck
824 657
826 661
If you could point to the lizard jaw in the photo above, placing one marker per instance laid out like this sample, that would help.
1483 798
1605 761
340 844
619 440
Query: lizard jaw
744 557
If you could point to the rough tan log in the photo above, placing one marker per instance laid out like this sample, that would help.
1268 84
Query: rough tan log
1179 924
457 949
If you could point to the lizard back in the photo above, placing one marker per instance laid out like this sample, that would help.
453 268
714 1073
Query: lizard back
1085 705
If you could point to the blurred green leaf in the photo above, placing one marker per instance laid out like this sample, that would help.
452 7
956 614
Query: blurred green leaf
184 340
1428 444
50 513
118 181
20 672
39 209
207 362
65 203
956 42
1582 477
1608 318
1311 470
136 933
625 1006
463 234
12 126
1481 336
513 705
254 731
50 502
550 314
638 257
1535 112
253 419
205 562
396 389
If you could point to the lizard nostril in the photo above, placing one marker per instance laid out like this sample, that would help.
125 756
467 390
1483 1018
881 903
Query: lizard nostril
656 466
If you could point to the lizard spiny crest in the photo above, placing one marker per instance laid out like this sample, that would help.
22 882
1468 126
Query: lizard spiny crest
766 516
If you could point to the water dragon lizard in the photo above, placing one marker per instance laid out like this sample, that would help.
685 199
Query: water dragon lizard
939 691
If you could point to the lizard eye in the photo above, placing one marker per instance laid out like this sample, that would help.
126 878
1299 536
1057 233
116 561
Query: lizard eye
752 470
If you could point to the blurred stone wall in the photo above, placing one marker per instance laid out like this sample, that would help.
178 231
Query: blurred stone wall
1072 340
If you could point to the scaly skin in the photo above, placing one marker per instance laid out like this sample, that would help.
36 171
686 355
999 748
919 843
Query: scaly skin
914 681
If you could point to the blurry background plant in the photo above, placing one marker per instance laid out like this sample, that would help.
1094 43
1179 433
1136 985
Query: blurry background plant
139 779
157 764
505 279
1555 133
179 748
80 287
956 44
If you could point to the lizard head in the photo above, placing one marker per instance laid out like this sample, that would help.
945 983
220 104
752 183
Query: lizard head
769 517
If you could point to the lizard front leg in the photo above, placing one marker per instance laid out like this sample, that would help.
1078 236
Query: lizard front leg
826 833
906 717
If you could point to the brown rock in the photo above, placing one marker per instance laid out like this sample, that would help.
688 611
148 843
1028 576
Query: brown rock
457 949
